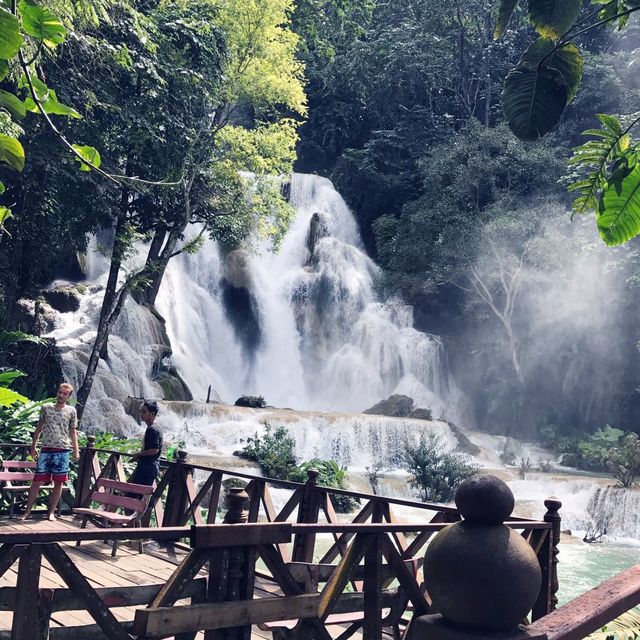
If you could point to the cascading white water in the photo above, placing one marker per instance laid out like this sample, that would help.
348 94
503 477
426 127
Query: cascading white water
325 340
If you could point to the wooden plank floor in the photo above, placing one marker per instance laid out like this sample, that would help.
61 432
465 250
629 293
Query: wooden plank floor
128 568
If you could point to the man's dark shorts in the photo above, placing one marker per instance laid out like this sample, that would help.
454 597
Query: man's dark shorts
53 464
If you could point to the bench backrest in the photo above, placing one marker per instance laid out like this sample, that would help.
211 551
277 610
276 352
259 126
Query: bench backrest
17 473
18 464
112 493
9 477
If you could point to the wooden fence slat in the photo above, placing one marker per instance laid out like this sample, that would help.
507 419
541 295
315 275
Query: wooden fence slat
289 586
405 577
195 503
290 505
121 476
45 606
176 585
400 538
340 577
192 506
216 487
255 489
64 566
66 600
230 535
345 538
163 622
25 624
9 553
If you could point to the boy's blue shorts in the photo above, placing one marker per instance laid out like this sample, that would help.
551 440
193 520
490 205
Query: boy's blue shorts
52 465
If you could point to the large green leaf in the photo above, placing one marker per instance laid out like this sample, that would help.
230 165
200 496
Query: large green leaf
90 155
9 397
504 15
50 103
11 152
10 38
12 104
7 377
618 215
551 18
567 59
40 23
533 101
4 69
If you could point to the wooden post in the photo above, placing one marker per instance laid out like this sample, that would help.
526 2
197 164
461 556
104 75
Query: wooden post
209 394
308 511
26 625
372 626
85 472
232 570
548 558
177 493
237 500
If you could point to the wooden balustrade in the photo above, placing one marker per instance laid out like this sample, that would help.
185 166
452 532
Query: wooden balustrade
179 500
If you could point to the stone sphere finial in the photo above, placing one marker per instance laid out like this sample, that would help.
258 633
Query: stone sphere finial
480 573
484 499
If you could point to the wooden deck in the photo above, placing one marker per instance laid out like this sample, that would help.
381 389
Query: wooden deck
129 568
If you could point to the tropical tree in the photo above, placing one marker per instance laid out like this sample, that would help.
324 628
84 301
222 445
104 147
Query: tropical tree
240 117
605 171
435 471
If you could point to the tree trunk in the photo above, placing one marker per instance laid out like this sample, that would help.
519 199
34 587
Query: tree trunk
157 260
108 305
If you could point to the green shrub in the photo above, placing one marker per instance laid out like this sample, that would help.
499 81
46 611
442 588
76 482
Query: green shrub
331 474
435 471
274 452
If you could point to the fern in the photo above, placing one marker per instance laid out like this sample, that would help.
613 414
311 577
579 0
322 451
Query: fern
595 157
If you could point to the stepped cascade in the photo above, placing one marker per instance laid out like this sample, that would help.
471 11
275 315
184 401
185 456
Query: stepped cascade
304 326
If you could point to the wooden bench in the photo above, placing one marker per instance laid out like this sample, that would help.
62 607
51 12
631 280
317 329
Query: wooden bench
113 495
16 477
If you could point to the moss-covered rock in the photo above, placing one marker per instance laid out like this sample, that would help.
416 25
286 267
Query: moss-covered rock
421 414
254 402
396 406
173 386
63 299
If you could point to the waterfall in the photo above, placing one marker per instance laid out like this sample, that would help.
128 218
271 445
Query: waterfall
303 326
615 511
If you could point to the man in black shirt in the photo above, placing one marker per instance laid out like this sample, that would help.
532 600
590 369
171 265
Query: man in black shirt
147 470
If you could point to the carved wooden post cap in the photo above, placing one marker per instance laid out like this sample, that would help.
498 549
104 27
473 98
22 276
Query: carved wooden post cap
312 476
553 504
237 500
91 441
182 455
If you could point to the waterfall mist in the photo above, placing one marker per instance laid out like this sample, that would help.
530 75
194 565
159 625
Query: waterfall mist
572 359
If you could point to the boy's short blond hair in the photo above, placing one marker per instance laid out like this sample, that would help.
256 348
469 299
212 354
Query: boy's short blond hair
68 387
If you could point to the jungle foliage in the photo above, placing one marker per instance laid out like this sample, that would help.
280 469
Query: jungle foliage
403 104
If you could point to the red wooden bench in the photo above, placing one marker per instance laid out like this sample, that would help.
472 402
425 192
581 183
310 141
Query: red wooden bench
16 477
113 495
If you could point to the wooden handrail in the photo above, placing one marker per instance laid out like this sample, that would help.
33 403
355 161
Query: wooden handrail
593 609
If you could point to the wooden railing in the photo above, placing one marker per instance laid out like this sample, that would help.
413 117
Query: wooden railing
178 501
368 553
308 593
